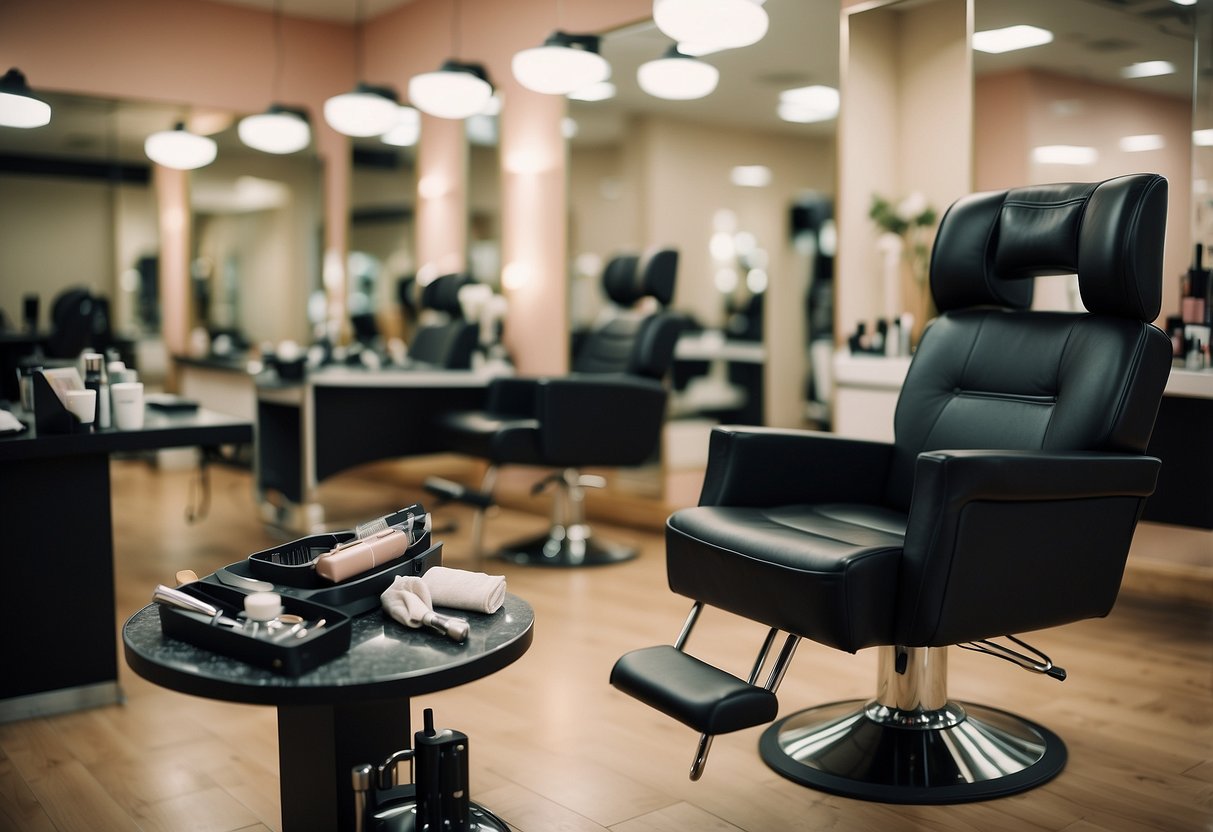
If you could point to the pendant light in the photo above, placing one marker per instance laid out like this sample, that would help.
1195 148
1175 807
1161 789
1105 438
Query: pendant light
712 24
564 64
280 129
19 107
179 148
407 129
456 90
677 77
367 111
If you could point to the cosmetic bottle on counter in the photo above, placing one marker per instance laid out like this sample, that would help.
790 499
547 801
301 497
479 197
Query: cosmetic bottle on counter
1194 305
94 379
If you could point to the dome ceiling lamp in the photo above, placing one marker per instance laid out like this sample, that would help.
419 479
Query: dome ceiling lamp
280 129
180 149
677 77
457 89
712 25
19 107
564 63
368 110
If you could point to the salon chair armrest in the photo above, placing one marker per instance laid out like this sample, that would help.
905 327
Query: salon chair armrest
752 466
1002 542
593 419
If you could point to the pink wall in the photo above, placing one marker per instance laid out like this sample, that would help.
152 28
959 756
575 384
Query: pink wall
1018 110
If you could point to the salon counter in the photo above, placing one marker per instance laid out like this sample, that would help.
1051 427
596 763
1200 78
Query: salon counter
867 387
59 651
340 417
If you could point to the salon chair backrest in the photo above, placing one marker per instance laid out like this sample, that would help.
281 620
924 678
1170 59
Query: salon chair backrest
991 374
450 344
79 319
635 342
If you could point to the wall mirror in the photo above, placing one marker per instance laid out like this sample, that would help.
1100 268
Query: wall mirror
77 208
1111 93
718 178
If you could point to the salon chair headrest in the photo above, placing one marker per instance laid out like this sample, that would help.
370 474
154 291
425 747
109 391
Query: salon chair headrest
626 278
442 293
1109 233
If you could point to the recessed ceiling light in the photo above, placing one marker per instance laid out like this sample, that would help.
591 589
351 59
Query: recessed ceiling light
1137 144
808 104
1010 38
1064 154
1148 69
750 176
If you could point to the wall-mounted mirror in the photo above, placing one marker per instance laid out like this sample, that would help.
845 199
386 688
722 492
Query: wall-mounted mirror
77 208
721 179
1109 93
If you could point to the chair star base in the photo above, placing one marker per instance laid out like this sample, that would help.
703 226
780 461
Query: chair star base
567 546
968 753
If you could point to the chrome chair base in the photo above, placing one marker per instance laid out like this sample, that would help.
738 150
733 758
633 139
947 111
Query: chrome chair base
567 546
965 753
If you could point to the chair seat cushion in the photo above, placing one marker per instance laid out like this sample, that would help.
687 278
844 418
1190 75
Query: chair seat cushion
827 571
500 440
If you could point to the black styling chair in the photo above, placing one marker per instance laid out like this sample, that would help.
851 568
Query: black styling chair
1005 504
607 413
450 343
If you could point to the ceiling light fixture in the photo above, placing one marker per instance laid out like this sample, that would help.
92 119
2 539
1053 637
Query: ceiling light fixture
1148 69
407 129
677 77
280 129
712 24
1064 154
457 89
19 107
1138 144
805 105
369 110
565 63
1010 38
594 92
180 149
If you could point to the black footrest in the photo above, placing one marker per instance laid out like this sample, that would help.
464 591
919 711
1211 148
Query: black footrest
453 491
693 692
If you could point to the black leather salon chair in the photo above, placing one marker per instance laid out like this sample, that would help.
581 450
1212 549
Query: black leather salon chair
608 412
449 343
79 320
1006 503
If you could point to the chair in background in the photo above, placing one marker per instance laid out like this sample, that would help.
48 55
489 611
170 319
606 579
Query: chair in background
79 320
449 343
607 413
1006 503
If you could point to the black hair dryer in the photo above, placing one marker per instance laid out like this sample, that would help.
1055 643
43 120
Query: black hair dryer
438 799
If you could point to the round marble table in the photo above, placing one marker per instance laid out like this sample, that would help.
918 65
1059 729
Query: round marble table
349 711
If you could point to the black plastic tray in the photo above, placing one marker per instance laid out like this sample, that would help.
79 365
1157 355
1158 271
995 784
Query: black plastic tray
352 597
290 657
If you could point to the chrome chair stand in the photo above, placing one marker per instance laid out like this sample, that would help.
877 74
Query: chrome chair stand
912 744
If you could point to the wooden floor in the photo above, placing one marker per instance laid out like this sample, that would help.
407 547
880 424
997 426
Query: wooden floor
554 747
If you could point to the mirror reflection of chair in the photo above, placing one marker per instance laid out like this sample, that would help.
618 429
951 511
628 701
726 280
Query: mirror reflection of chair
450 341
79 320
607 413
1006 503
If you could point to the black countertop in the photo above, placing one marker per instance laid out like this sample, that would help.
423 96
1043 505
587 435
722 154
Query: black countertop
160 430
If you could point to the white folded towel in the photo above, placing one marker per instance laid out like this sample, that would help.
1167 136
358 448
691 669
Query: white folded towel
407 600
463 590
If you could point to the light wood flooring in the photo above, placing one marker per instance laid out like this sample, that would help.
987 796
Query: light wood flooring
554 747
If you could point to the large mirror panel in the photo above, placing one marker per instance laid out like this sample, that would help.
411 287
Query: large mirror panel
720 179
